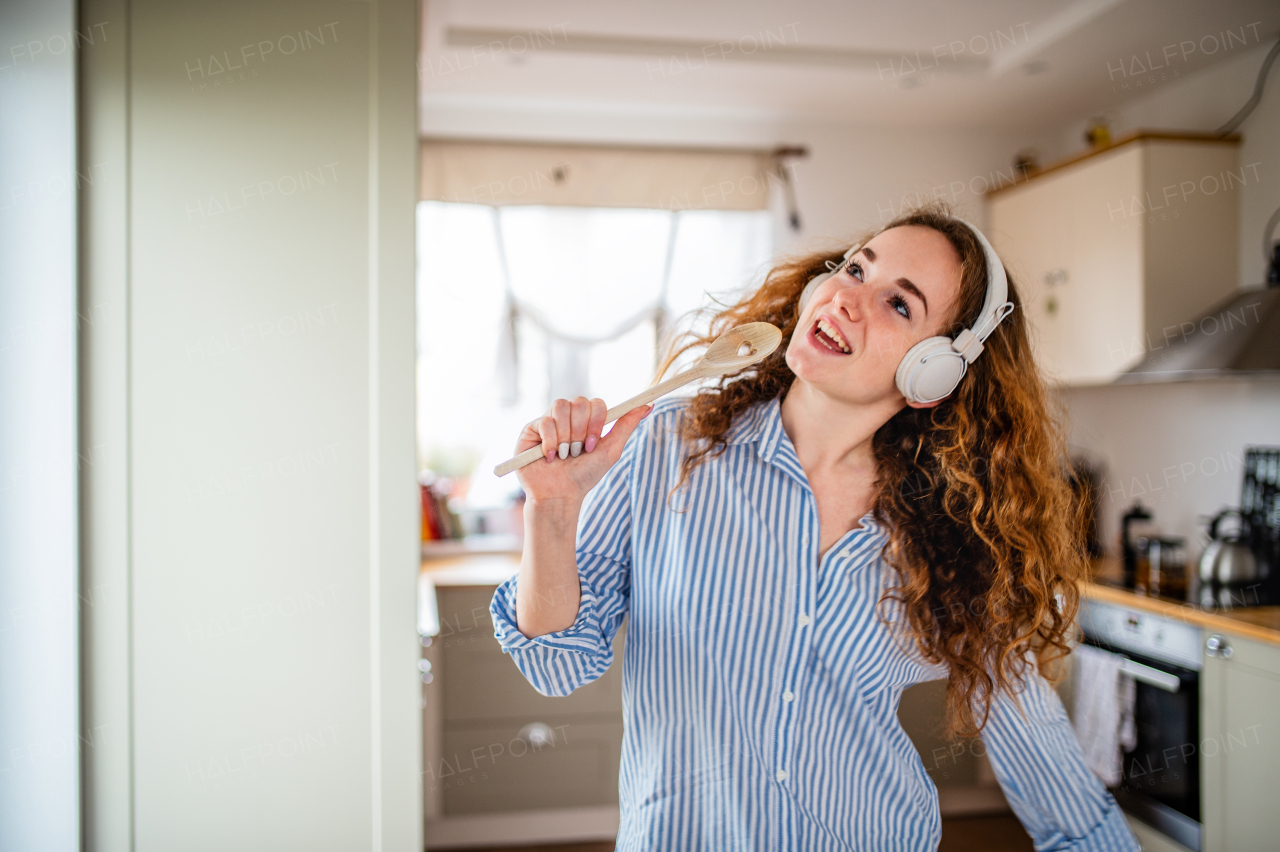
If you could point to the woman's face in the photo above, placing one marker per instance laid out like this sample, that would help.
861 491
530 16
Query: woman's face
895 291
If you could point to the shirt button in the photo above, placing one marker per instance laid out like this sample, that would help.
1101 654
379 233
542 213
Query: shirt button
804 619
787 696
782 775
847 552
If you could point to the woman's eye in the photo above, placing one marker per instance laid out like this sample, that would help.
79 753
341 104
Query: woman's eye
900 303
853 266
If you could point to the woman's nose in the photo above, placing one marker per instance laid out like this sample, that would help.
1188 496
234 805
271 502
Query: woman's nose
849 300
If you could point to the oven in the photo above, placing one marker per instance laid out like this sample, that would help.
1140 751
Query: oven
1161 783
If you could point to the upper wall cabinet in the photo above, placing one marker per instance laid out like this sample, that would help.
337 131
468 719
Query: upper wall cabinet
1112 251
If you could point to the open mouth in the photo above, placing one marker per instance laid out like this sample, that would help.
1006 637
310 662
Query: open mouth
830 337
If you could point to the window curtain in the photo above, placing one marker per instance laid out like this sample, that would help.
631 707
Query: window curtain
500 173
583 276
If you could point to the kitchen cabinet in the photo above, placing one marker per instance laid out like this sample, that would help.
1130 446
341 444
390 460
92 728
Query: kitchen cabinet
503 763
1240 746
1114 250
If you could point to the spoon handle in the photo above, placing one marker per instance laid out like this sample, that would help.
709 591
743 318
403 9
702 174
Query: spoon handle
677 381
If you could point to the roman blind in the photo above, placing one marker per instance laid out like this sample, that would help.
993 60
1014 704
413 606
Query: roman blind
509 173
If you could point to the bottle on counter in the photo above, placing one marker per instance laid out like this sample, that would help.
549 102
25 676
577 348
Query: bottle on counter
1142 564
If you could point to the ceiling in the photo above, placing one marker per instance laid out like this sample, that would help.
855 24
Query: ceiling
1000 64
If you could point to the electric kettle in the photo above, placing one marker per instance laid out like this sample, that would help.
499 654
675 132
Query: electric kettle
1227 558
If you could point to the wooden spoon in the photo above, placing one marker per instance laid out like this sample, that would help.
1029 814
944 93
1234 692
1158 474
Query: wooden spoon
738 347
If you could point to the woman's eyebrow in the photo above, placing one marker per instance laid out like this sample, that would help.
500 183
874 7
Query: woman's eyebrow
904 283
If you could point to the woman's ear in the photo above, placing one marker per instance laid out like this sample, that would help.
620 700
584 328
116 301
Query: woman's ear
924 404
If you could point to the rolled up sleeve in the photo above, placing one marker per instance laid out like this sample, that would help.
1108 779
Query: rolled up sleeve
1041 768
560 662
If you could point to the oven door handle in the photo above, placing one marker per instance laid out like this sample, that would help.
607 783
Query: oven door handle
1148 675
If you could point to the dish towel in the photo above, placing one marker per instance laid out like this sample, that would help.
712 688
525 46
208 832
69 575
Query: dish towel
1103 717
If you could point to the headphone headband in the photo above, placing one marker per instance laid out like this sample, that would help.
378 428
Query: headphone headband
993 306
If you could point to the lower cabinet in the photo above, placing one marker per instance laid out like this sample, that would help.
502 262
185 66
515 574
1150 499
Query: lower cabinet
1240 746
551 762
503 763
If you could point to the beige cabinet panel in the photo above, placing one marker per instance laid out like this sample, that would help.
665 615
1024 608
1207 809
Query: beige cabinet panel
492 768
499 746
1114 253
1240 747
1029 231
1102 295
478 681
493 688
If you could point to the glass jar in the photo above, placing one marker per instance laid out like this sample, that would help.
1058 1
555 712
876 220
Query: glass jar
1166 560
1142 565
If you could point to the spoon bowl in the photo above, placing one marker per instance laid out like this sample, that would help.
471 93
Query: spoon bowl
740 346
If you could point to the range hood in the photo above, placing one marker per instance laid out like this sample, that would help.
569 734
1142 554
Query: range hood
1238 336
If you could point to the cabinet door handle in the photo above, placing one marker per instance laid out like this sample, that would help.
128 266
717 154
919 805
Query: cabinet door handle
1217 646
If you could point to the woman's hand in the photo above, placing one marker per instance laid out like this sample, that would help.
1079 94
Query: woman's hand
573 425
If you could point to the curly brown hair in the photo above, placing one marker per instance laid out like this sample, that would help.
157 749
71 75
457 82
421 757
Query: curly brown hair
984 528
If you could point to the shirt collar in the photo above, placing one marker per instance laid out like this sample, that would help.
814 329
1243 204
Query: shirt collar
762 422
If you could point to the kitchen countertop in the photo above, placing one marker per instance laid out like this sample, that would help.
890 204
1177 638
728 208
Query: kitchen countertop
459 568
1261 623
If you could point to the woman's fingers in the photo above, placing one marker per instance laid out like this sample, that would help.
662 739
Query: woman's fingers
571 427
595 424
560 410
579 416
550 437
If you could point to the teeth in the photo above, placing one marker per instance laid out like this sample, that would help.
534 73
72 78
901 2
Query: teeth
830 331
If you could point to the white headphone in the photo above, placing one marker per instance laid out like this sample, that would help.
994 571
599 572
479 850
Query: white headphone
933 368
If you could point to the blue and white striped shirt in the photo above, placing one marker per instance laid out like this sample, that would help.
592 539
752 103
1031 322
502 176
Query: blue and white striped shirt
760 691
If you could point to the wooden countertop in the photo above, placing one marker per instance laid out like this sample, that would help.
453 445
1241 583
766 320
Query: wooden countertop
1261 623
458 569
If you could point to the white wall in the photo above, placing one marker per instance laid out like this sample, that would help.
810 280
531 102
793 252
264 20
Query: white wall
1179 447
40 732
249 375
860 176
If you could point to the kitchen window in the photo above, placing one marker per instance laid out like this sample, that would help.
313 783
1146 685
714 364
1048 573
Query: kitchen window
522 304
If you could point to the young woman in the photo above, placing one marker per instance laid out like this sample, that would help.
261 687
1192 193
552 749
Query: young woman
800 543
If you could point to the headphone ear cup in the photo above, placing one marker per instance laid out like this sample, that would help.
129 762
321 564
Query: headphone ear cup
930 370
807 292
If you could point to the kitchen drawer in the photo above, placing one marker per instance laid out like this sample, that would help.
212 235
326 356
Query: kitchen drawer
480 682
491 768
466 627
